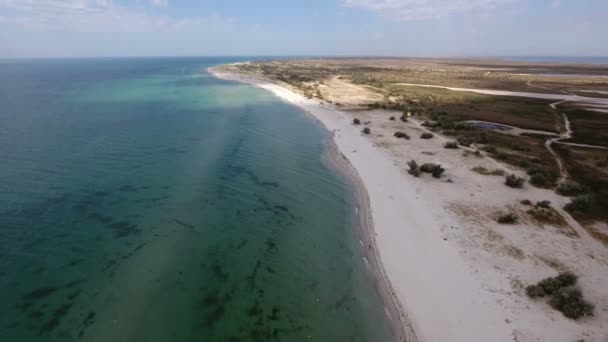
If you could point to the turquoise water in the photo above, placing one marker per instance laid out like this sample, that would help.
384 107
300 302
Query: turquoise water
144 200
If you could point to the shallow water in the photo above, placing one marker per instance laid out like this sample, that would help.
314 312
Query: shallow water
144 200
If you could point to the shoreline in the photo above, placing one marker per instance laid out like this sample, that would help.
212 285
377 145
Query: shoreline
402 329
453 273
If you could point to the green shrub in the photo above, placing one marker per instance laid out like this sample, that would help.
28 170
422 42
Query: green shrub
514 182
356 121
435 169
465 141
544 204
552 284
567 278
579 205
402 135
366 130
438 172
540 180
509 218
414 169
569 301
427 135
451 145
570 188
490 149
535 291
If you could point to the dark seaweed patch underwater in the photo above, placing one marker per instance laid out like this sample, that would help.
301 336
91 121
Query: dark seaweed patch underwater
145 200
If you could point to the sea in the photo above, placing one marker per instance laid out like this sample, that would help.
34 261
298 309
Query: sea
143 199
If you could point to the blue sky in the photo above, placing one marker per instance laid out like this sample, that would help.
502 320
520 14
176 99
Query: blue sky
85 28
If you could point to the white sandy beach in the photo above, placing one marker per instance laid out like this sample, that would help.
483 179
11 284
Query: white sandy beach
455 273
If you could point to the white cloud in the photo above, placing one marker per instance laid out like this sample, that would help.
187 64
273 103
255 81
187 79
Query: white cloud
160 3
55 5
424 9
94 16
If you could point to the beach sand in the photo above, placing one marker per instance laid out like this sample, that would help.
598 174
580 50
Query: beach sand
454 273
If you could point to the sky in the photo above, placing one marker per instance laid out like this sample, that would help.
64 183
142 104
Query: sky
428 28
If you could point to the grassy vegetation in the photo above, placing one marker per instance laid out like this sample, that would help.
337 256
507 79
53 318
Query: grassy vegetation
589 127
588 168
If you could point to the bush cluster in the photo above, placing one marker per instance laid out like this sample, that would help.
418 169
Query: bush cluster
434 169
514 182
427 135
564 295
356 121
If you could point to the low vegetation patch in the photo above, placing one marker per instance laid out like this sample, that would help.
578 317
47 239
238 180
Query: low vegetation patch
366 130
392 118
509 218
563 294
356 121
486 172
426 135
513 181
